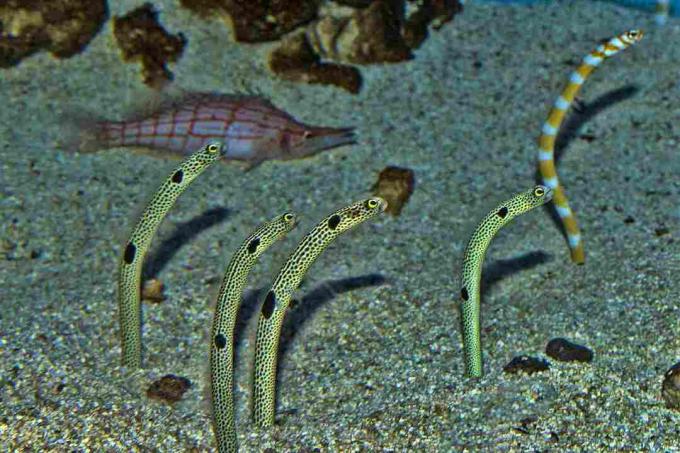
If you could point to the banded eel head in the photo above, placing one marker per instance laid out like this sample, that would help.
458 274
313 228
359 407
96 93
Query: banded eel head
632 36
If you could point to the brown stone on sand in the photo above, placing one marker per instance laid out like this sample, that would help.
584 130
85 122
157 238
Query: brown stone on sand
152 290
526 364
395 185
62 27
169 388
141 38
566 351
258 20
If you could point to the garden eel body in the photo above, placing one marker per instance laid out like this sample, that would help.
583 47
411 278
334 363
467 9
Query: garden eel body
473 259
130 268
222 337
278 298
546 142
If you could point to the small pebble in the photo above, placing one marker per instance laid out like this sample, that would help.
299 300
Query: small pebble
661 231
670 389
529 365
153 291
395 185
566 351
169 388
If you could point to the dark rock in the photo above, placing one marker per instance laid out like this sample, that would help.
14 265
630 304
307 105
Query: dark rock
169 388
258 20
141 38
529 365
566 351
670 388
62 27
428 12
295 60
379 37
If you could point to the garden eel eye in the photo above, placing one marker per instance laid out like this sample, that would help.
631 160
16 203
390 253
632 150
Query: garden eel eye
213 148
372 203
288 217
539 191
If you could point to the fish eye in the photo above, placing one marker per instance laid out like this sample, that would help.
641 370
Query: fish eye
372 203
539 191
288 217
213 148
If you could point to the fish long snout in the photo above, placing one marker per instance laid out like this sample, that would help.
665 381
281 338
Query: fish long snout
328 137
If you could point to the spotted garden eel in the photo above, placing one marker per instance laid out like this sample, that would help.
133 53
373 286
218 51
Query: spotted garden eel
546 141
222 337
278 299
130 268
473 259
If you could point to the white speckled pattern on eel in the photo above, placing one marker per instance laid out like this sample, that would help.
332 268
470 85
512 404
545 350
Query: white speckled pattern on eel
473 258
130 268
222 337
278 298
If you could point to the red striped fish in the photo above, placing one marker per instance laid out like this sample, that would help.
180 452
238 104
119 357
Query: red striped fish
253 129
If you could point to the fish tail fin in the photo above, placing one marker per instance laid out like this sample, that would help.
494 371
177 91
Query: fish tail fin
98 135
84 133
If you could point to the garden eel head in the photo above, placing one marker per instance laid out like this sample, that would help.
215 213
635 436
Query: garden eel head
633 36
216 148
539 195
277 228
356 213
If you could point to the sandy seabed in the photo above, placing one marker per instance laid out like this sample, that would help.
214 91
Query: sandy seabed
372 357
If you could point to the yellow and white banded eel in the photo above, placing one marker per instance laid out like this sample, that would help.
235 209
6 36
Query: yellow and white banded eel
130 268
546 142
473 258
662 10
222 337
278 299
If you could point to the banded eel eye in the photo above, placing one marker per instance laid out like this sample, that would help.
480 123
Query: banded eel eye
634 35
539 191
288 217
213 148
372 203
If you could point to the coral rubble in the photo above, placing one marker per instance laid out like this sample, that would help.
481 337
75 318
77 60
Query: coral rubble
258 20
141 38
329 35
62 27
295 60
